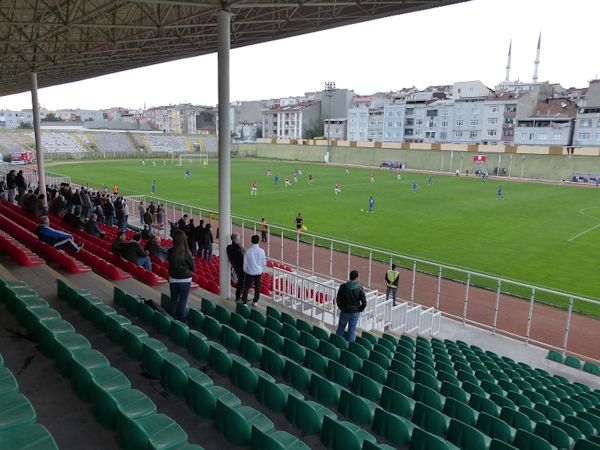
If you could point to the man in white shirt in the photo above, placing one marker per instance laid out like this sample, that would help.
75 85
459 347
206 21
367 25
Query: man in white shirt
254 263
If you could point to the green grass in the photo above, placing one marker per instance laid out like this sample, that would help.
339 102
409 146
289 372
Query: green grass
531 236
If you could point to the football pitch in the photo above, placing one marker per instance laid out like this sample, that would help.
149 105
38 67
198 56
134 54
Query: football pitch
548 235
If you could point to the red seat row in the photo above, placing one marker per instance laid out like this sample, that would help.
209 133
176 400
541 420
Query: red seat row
17 251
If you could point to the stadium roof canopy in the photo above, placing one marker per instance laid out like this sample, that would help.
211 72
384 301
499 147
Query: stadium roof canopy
70 40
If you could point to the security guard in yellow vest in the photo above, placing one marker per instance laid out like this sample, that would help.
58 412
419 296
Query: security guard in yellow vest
392 276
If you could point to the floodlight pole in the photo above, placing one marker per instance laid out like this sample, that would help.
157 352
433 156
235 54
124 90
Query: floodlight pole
223 32
39 151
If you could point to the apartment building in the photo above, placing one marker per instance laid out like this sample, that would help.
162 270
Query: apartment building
587 126
14 119
336 129
291 119
469 111
552 123
365 117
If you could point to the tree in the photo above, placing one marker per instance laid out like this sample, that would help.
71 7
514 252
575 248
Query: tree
51 117
25 126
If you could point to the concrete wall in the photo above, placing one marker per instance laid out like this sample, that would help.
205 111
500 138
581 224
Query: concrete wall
530 165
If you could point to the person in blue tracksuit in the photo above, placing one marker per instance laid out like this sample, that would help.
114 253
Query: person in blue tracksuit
55 238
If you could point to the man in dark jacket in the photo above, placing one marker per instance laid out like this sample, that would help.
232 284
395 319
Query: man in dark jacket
133 251
351 301
92 227
118 243
21 183
235 252
11 186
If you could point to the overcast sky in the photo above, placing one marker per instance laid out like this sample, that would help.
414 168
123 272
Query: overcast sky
462 42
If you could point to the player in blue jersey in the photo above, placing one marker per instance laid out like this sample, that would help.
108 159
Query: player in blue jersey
500 194
371 204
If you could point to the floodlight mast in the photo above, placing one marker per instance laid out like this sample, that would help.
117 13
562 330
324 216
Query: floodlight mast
329 91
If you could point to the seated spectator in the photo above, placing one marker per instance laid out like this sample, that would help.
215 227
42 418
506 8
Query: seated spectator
92 228
118 243
147 233
39 207
133 251
55 238
154 248
76 221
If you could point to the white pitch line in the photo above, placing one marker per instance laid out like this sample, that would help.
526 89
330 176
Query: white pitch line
578 235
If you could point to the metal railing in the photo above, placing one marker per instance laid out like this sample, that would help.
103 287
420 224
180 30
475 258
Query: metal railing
501 305
30 174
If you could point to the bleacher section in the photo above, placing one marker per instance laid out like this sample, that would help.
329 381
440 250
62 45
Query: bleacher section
8 144
112 142
167 142
275 380
55 142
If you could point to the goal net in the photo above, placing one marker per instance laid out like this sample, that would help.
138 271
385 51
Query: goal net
188 159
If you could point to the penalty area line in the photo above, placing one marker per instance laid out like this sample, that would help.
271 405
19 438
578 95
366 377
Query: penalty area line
578 235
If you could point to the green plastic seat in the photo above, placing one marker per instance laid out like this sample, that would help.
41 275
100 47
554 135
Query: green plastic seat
340 374
165 302
374 371
243 310
278 440
323 390
273 312
238 322
236 423
195 319
447 377
350 360
197 389
460 411
132 304
572 361
273 340
339 341
246 377
272 362
399 383
426 379
66 344
211 327
28 437
84 361
286 318
554 435
49 330
198 345
364 343
534 415
290 332
250 350
207 307
583 444
509 386
574 404
396 402
329 350
482 404
495 427
358 350
369 337
133 339
456 392
584 400
308 340
258 317
222 314
156 431
594 419
572 431
105 382
586 428
524 440
320 333
592 368
153 356
555 356
356 408
366 387
273 324
179 333
516 419
422 440
219 359
130 404
307 415
430 419
174 375
390 338
299 377
255 331
24 307
549 412
316 362
428 396
33 316
474 388
146 313
393 428
492 388
274 395
115 324
293 350
338 435
229 337
15 411
466 437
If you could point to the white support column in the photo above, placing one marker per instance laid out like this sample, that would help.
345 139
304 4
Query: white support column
39 151
223 32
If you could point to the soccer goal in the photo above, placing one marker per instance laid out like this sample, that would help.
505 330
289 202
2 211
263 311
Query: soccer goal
186 159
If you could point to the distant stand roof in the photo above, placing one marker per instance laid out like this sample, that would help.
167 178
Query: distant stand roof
67 40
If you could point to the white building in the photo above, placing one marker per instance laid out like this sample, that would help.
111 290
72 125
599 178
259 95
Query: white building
587 126
292 119
14 119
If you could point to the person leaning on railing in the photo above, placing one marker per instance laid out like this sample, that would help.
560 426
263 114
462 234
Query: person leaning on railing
351 300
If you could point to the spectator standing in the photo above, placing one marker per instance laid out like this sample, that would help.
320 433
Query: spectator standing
181 268
160 215
299 222
235 253
142 210
254 264
21 183
109 212
11 186
392 276
148 219
118 243
92 228
182 222
351 301
190 232
55 238
133 251
205 244
147 233
3 191
264 227
86 205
